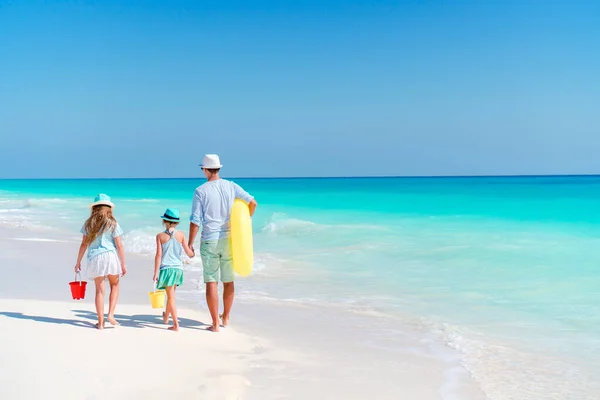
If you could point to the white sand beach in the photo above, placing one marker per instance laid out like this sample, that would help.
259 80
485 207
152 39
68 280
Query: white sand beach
54 352
51 349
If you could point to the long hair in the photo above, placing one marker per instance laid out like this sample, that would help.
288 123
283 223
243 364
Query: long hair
100 221
170 225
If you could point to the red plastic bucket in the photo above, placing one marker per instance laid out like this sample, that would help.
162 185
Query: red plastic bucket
78 288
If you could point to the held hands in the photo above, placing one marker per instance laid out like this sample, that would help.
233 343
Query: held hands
77 267
155 278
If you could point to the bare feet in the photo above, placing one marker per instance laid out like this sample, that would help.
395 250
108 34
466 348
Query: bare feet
165 317
112 320
213 328
99 325
224 319
173 328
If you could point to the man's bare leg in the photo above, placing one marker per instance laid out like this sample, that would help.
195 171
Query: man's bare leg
212 300
228 294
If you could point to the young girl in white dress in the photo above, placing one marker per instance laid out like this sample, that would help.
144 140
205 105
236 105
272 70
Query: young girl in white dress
105 255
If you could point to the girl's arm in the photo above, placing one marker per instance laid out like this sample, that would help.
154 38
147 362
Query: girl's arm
82 249
187 248
121 253
157 258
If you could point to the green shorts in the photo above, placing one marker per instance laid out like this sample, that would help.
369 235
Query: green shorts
216 260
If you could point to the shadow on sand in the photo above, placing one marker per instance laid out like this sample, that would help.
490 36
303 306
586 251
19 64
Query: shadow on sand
48 320
142 320
90 318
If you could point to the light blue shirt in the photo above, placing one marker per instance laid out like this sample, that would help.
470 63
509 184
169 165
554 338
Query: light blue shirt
104 242
211 207
171 253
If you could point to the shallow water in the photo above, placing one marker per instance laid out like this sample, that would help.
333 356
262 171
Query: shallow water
502 269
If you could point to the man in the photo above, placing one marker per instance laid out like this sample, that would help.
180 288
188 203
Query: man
211 209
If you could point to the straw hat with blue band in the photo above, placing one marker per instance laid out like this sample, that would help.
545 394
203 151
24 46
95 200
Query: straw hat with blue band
102 200
171 215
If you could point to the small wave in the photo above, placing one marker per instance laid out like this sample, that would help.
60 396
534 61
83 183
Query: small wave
13 210
143 242
283 225
40 240
255 295
193 268
258 266
23 222
506 372
140 241
34 203
13 205
140 200
37 214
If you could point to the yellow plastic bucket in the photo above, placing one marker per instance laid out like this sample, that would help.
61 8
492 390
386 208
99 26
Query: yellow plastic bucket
157 298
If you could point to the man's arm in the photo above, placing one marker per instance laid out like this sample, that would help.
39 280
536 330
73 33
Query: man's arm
195 219
193 232
252 206
248 198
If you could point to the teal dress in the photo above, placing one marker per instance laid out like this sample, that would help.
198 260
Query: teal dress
171 267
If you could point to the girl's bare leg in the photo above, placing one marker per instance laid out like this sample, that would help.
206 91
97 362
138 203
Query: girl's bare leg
172 307
113 280
167 311
99 281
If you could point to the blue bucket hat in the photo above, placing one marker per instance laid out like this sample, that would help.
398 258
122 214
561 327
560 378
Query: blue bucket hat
102 200
171 215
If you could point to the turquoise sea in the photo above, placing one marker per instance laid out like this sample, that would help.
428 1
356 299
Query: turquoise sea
503 269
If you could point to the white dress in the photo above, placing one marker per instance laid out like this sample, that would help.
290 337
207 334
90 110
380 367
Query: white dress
102 255
103 264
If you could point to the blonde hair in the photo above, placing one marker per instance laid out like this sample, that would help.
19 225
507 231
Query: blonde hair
100 221
170 224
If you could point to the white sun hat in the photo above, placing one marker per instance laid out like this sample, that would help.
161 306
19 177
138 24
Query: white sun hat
211 161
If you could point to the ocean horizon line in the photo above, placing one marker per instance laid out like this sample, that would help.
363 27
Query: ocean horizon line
319 177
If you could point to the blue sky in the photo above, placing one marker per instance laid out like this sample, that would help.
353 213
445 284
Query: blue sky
299 88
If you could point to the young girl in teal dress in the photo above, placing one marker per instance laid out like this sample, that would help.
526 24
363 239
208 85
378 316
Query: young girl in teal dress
168 269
